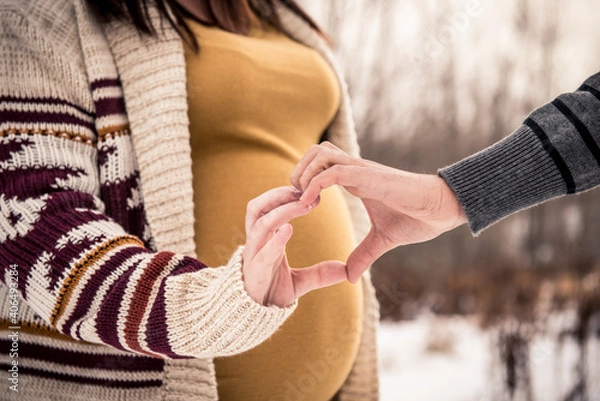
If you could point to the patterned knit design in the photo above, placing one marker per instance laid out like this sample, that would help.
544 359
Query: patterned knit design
73 224
96 213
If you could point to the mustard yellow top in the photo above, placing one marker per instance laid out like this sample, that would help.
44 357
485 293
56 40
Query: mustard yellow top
256 104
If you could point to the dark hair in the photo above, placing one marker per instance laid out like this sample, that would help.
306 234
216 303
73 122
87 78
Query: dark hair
230 15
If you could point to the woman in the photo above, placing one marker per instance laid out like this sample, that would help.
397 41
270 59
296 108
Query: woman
105 205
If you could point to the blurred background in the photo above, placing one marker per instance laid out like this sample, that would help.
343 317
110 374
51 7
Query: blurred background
513 314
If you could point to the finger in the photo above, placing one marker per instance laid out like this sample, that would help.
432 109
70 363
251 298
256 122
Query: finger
322 161
327 144
268 201
347 176
365 254
259 273
321 275
312 152
266 225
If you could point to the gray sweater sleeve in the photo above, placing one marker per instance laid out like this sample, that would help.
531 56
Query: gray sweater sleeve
555 152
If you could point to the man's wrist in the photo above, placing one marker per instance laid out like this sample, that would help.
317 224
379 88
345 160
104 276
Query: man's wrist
450 206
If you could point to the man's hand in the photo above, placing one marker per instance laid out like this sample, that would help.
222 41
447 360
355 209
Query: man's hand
404 207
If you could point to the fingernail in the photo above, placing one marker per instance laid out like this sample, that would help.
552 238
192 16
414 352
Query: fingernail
302 198
298 194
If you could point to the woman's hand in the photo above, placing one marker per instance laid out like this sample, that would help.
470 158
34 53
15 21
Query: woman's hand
267 276
404 208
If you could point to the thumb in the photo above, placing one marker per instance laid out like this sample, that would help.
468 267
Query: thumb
363 256
317 276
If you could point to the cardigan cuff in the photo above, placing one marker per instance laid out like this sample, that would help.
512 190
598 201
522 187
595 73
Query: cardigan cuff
231 321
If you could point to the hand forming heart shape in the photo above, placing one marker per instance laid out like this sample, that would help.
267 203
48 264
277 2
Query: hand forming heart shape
404 208
267 275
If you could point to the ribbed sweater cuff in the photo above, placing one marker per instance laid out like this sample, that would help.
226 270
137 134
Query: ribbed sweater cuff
231 321
513 174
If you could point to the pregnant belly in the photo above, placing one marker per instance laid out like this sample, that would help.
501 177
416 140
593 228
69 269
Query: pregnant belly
312 353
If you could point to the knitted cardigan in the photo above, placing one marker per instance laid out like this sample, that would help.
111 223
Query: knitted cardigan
101 296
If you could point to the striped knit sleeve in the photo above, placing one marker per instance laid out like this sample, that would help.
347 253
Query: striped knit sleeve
555 152
76 267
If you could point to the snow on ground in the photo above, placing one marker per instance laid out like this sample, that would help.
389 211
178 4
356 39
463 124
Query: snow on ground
450 358
433 359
